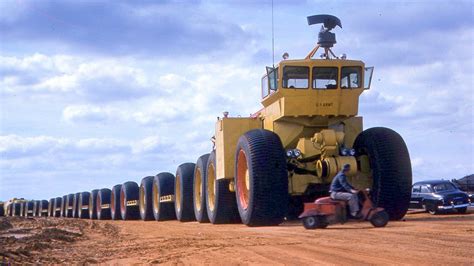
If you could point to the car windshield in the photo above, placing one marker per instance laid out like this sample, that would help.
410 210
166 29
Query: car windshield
443 187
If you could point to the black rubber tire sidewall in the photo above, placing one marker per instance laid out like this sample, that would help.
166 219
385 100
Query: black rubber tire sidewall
225 207
103 198
185 173
268 176
115 203
93 204
391 168
201 166
164 183
130 192
83 212
146 187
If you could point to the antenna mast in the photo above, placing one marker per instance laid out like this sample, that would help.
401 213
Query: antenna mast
273 41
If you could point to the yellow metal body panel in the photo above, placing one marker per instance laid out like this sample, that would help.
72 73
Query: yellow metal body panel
228 132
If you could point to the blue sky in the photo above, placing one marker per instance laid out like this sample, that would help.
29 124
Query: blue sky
95 93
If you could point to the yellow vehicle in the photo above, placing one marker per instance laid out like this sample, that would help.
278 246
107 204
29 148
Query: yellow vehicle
265 166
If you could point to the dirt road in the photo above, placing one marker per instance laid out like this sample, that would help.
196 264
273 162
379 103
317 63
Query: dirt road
420 239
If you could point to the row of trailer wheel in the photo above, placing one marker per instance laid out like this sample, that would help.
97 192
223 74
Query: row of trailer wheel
183 196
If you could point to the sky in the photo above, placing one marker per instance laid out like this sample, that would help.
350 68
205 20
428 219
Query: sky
96 93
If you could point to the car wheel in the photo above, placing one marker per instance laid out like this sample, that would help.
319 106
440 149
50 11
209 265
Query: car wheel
462 210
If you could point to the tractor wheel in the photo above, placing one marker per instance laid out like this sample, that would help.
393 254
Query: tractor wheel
51 207
391 169
103 204
58 203
315 222
93 204
2 210
146 202
83 208
183 192
75 205
43 208
199 189
220 201
17 209
63 206
261 178
163 190
29 208
115 202
462 210
69 207
129 195
36 205
379 219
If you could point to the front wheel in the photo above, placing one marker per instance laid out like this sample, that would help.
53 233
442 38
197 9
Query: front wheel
261 178
314 222
462 210
390 167
379 219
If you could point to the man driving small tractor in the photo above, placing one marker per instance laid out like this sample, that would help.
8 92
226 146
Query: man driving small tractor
342 190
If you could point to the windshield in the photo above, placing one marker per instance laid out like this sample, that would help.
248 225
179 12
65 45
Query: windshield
324 78
295 77
443 187
350 77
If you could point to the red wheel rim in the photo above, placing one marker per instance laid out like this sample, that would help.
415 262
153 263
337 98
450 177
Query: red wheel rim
243 180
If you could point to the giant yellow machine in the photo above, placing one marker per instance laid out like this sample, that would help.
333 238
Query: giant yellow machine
265 166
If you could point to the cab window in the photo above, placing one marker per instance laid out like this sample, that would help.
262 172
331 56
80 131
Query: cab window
270 82
351 77
416 189
325 78
295 77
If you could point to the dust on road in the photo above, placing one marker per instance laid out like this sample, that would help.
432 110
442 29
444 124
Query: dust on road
420 239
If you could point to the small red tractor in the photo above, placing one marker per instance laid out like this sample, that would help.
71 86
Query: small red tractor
326 211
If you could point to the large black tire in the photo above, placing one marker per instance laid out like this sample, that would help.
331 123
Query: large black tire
43 208
22 209
220 201
29 208
115 202
83 208
262 197
51 207
183 192
199 189
391 169
146 198
75 205
93 204
103 204
36 206
16 209
163 191
2 209
58 203
69 205
129 195
63 206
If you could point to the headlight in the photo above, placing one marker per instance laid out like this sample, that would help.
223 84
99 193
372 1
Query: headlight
344 152
352 152
297 152
293 153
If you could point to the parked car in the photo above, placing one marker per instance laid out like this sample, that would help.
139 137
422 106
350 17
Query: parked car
437 196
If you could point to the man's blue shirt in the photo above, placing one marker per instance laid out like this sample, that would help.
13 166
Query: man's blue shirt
340 184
